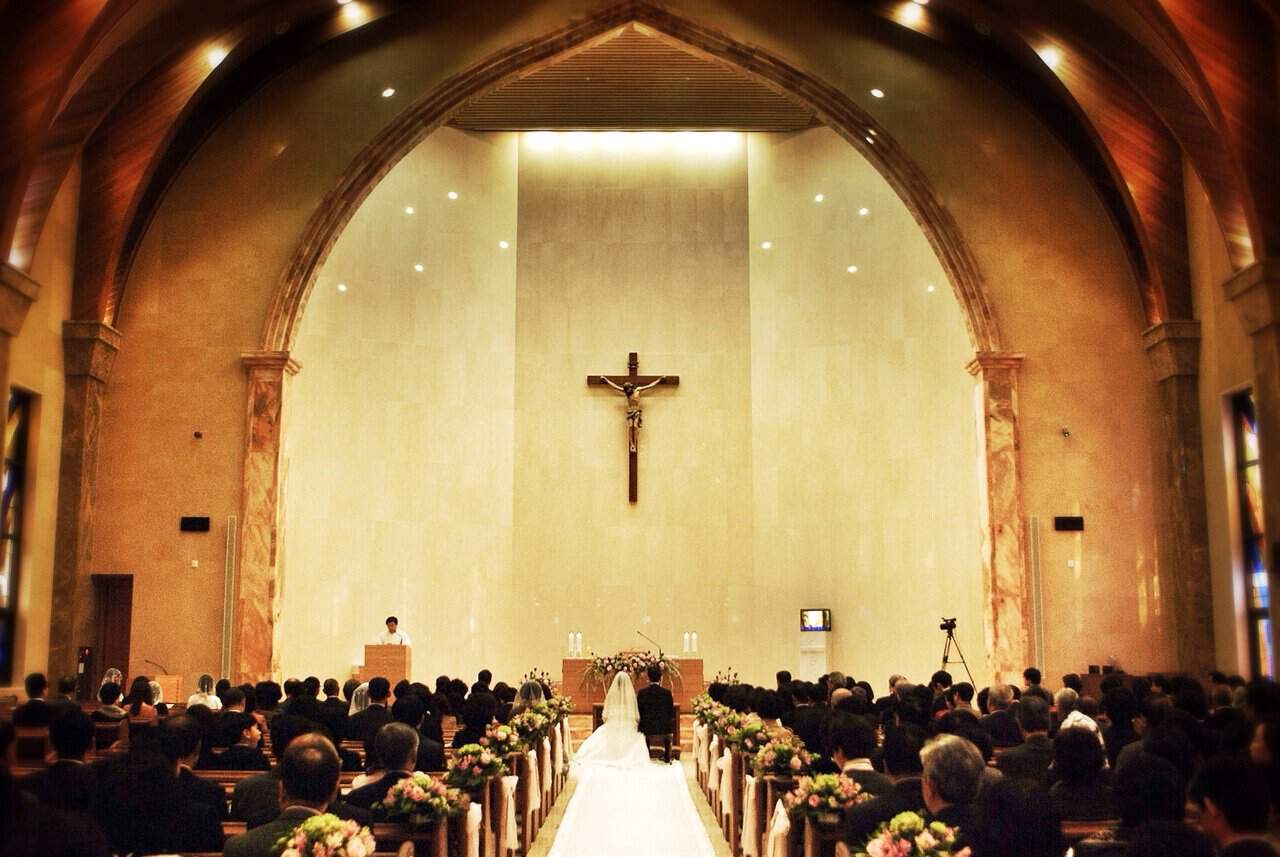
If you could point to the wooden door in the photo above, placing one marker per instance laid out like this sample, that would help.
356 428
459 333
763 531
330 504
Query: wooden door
113 598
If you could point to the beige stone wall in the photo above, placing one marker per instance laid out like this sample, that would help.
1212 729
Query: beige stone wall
1226 367
399 449
1059 282
36 367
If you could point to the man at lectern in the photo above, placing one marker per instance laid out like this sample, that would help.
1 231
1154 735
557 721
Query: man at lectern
392 637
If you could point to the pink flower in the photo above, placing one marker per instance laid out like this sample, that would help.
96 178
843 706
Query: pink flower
795 763
814 800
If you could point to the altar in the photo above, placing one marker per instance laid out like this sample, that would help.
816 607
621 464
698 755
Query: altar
689 684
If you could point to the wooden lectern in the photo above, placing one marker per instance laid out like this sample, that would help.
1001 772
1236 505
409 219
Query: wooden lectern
391 662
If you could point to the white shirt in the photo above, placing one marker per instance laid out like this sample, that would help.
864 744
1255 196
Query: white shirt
397 638
209 700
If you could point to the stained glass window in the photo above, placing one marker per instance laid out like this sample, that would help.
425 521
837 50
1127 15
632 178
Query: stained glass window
1257 587
12 501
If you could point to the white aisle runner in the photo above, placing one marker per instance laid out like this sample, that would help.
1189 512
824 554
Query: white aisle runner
631 812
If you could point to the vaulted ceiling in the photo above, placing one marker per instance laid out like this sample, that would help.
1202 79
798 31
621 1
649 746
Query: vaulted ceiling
1131 87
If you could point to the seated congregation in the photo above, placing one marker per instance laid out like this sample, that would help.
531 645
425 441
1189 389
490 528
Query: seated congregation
1152 766
132 775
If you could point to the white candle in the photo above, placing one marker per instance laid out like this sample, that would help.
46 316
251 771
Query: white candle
570 644
686 642
693 638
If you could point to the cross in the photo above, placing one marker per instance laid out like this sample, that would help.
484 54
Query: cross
631 386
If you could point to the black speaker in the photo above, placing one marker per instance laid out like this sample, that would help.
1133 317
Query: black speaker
1068 523
193 524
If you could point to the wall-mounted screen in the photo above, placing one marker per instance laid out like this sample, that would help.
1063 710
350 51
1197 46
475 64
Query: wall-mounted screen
815 620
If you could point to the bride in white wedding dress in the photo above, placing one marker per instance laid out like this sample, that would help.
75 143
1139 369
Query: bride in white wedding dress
624 805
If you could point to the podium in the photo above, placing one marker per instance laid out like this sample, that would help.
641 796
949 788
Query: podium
391 662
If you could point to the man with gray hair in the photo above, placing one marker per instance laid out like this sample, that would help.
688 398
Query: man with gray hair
953 769
1000 723
396 748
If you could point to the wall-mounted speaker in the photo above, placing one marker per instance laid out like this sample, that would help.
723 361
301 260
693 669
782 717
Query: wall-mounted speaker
1068 523
193 524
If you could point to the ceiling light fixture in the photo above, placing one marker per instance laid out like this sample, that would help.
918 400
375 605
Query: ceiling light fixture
502 245
877 93
215 56
852 269
929 288
1050 56
766 245
419 267
342 287
408 209
818 197
453 194
910 14
388 92
863 212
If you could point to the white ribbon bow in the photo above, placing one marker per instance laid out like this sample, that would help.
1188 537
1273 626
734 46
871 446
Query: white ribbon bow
726 781
749 839
533 793
474 812
779 831
512 838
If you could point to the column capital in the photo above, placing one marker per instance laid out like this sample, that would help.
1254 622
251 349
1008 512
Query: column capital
17 293
277 361
1173 347
1255 291
89 348
985 361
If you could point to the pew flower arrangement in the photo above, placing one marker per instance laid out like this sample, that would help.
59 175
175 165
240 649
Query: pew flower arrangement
502 739
784 755
701 704
725 721
907 835
531 725
559 706
823 797
473 766
422 799
326 836
749 735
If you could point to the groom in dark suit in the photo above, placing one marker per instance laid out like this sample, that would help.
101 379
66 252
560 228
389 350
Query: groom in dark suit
656 709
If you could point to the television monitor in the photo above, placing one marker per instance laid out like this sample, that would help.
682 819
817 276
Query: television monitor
815 619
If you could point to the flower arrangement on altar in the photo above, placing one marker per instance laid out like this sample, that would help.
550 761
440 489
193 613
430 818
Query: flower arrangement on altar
907 835
531 725
326 836
603 668
501 739
473 766
824 796
784 755
542 677
423 799
749 735
729 676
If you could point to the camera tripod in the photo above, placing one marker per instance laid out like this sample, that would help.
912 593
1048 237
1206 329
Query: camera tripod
950 644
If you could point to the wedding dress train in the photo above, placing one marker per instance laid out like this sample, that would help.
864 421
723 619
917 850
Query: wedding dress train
623 805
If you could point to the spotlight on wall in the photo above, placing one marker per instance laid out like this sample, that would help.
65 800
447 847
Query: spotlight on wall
863 212
817 197
215 56
419 267
342 287
453 194
408 209
1066 432
502 245
852 269
766 245
1050 56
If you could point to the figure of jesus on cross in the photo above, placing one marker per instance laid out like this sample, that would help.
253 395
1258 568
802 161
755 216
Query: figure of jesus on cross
631 386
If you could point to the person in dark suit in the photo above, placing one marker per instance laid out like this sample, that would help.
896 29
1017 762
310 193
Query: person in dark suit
851 741
1014 818
657 708
68 783
182 741
1000 723
483 679
902 765
333 711
396 746
65 700
1233 796
309 773
256 800
807 718
35 712
953 769
409 711
1081 792
244 755
1031 759
363 725
33 828
140 805
477 714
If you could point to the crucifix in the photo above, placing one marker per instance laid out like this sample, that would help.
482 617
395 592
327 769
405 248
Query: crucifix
631 386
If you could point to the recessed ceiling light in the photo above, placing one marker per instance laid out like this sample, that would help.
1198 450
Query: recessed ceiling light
343 2
921 2
929 288
502 245
419 267
765 245
388 92
877 93
353 13
453 194
817 197
863 212
911 14
870 142
852 269
873 132
408 209
342 287
215 56
1050 55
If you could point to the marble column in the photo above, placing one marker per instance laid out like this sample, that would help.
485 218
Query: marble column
88 351
1173 348
1007 616
1255 293
254 649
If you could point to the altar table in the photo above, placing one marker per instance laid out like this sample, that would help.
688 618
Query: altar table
683 689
